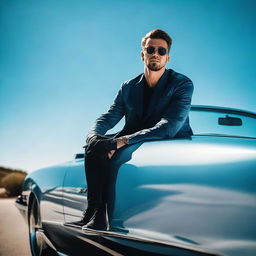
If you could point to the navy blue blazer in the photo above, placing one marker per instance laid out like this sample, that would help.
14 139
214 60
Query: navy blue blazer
167 115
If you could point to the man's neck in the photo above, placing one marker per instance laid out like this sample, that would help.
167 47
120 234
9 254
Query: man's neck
152 77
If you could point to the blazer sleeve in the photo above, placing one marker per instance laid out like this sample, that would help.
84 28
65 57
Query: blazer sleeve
109 119
172 119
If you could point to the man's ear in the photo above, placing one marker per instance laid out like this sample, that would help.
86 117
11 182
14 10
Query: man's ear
168 57
142 56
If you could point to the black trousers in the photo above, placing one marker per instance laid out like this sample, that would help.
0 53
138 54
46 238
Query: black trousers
101 174
96 171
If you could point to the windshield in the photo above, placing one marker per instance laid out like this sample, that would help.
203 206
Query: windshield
222 121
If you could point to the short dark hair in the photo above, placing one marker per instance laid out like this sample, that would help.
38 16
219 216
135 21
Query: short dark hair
157 34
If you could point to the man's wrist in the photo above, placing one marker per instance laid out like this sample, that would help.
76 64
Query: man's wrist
121 142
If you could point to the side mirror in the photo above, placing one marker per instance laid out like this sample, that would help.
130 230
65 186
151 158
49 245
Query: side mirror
230 121
79 156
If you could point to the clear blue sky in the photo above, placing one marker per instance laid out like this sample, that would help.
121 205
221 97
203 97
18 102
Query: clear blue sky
62 62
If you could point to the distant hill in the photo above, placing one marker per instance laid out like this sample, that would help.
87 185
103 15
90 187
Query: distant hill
4 171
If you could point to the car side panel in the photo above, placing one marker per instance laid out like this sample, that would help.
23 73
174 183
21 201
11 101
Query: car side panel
199 192
48 184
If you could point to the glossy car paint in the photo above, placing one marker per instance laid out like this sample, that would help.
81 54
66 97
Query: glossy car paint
173 197
198 193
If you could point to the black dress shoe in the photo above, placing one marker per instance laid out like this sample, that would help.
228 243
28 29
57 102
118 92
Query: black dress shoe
87 215
98 221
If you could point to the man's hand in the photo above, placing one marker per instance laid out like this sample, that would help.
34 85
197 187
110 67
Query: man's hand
111 153
99 145
120 142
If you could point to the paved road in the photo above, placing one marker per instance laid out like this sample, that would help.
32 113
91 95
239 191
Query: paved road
13 230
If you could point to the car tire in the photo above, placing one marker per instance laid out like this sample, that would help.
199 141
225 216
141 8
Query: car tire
38 246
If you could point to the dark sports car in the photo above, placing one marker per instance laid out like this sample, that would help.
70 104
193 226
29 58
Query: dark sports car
191 196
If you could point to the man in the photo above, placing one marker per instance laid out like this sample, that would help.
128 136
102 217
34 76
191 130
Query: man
155 105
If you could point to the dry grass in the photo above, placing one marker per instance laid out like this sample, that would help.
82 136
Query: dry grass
11 181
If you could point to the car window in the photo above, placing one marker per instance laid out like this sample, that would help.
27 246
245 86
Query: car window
223 122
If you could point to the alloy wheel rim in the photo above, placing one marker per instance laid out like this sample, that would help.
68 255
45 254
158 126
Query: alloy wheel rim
36 241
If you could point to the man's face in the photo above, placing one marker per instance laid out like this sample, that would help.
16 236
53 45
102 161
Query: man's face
155 61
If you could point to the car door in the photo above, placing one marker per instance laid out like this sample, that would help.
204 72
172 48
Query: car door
74 191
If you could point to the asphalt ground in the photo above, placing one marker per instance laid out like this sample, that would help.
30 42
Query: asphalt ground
13 230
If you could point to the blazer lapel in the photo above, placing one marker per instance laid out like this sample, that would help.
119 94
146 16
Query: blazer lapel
137 94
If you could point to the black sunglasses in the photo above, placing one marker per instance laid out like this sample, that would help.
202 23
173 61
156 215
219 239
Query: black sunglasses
161 50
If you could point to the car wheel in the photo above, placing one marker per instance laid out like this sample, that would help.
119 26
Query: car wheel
38 246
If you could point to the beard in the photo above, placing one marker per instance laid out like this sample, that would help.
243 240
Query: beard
154 66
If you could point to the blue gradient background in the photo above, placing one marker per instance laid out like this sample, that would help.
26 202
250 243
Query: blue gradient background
62 62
